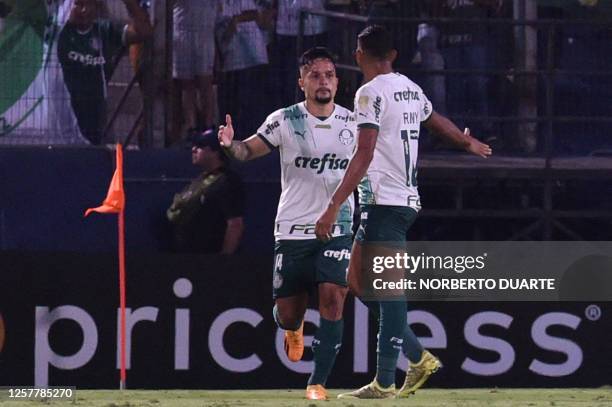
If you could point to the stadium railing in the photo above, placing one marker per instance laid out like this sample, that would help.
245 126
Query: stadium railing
545 72
543 163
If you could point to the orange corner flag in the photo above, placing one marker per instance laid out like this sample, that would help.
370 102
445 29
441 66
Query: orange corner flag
115 203
115 198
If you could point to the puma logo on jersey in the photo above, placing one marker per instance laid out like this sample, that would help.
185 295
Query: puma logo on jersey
301 134
328 161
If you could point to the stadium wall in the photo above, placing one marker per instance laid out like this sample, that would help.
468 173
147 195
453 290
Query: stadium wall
45 192
205 322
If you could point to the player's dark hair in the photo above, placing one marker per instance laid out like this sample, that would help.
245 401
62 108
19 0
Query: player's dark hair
316 53
376 40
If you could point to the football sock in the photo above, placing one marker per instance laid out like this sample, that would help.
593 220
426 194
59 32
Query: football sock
282 325
373 307
411 347
325 346
390 338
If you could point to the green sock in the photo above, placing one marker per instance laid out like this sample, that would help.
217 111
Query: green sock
411 347
385 370
390 338
373 307
325 346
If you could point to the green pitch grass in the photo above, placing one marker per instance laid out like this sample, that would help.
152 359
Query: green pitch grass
290 398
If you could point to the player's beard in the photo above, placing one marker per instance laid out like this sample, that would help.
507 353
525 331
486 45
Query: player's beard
323 100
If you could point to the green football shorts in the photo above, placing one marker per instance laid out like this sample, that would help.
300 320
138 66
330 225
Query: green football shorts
388 224
299 265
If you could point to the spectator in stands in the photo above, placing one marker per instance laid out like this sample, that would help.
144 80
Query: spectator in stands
242 41
404 34
429 57
193 56
137 60
466 46
86 46
287 29
207 216
582 47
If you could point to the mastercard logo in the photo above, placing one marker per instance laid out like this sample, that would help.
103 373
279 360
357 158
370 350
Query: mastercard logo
2 333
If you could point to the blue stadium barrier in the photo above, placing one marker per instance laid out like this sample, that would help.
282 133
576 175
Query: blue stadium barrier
46 190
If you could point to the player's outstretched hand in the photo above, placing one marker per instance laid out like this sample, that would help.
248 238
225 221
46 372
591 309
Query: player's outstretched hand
325 223
476 147
226 133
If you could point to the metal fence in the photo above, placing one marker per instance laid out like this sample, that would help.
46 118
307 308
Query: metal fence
45 99
547 105
546 83
540 86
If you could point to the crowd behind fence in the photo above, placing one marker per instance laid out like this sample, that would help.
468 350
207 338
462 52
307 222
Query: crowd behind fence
528 77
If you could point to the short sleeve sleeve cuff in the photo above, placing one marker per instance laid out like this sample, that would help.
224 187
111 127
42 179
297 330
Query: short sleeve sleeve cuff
368 107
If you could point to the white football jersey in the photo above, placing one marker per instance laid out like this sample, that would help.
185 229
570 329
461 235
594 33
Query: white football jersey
314 156
395 106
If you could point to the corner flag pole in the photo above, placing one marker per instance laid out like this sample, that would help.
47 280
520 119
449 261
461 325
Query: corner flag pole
121 222
115 203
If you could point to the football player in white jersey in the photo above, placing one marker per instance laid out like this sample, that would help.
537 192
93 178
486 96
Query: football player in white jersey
316 139
389 109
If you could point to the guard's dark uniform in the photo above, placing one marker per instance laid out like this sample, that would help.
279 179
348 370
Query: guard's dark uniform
200 212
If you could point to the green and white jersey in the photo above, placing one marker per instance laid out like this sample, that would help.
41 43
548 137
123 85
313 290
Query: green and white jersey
314 156
54 75
395 106
35 103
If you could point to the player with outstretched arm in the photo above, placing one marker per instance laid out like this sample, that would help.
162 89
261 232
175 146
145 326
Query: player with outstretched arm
316 139
389 109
